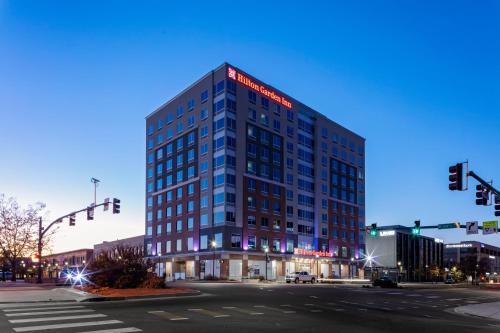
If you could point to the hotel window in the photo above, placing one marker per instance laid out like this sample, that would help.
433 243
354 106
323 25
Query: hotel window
231 124
149 231
251 220
159 139
264 154
180 160
168 248
219 217
276 224
159 169
179 245
169 134
235 240
276 245
204 166
264 222
264 205
150 202
150 172
204 220
170 118
150 143
190 206
264 102
289 195
251 149
218 240
169 196
219 106
204 131
150 158
191 172
159 214
190 104
218 143
204 148
150 216
178 227
324 231
277 208
158 229
252 114
289 226
190 189
219 87
169 149
289 131
169 212
179 209
150 187
252 97
169 228
180 144
204 96
251 184
251 242
159 154
180 176
264 119
204 114
277 142
218 199
203 242
190 155
190 243
180 127
158 248
251 202
289 245
289 115
264 243
251 167
204 184
151 129
204 202
276 125
180 111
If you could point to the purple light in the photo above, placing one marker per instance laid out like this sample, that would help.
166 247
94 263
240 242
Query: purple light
282 251
245 248
195 249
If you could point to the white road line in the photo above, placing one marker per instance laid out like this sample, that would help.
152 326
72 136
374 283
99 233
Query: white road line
46 308
117 330
68 325
396 293
22 314
313 296
34 320
27 305
413 295
453 299
431 296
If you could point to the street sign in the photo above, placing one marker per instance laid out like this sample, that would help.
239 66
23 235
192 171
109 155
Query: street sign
490 227
449 225
472 228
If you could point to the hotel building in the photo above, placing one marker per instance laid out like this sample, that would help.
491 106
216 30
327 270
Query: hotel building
243 180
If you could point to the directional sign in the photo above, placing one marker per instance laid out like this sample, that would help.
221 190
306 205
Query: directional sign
472 228
449 225
490 227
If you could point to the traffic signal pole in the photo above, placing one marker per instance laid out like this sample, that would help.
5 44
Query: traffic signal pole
484 183
43 231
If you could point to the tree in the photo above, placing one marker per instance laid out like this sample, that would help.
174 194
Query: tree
18 231
471 267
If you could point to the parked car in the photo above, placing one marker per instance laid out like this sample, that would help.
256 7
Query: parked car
7 275
385 282
449 280
300 277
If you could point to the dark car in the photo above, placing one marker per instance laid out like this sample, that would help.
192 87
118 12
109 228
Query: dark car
385 282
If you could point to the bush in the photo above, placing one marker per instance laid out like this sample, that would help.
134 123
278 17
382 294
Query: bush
123 267
261 278
153 282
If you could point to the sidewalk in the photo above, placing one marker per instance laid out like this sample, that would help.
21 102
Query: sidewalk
486 310
35 293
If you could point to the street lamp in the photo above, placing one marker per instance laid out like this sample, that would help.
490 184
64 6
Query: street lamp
352 264
317 265
159 256
266 250
214 245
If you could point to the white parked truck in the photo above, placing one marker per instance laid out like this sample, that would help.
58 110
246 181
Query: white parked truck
300 277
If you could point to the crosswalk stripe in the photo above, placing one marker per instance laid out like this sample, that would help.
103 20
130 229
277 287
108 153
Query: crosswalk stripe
27 305
117 330
274 309
249 312
38 313
45 308
210 313
167 315
67 325
33 320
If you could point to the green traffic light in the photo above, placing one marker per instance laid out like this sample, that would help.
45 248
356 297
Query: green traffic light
373 232
415 231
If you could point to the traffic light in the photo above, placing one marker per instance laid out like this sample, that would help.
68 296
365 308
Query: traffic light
116 206
106 204
72 219
373 230
90 213
497 205
481 195
416 229
456 177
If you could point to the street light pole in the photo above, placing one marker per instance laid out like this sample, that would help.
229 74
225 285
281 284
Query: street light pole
214 244
159 255
266 250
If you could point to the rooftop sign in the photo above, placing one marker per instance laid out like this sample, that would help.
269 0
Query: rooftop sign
386 233
245 80
452 246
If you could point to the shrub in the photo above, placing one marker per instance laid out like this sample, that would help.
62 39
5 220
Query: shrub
153 282
123 267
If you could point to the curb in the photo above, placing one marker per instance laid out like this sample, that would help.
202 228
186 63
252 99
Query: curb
150 297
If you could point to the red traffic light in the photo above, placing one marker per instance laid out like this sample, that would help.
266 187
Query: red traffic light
456 177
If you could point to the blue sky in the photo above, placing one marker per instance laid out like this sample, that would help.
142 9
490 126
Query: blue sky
420 81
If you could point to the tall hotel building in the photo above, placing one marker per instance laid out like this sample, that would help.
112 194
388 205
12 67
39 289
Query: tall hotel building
243 180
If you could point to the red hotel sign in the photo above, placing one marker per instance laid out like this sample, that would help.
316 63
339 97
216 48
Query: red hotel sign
304 252
235 75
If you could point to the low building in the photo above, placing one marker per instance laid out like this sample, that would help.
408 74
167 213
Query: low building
110 246
76 259
456 253
397 253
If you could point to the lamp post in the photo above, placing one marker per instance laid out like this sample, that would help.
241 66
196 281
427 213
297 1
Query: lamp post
159 256
214 245
352 264
317 265
266 250
399 271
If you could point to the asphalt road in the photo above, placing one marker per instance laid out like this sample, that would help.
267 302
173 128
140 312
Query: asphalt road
262 308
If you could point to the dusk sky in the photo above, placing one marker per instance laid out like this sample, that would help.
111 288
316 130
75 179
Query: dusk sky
420 81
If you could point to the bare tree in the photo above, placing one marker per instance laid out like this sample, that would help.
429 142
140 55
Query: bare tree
18 231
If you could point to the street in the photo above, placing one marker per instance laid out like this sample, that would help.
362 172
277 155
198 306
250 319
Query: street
262 307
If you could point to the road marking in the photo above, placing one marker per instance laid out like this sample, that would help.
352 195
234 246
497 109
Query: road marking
428 316
361 309
413 295
167 315
117 330
210 313
22 314
27 305
471 302
67 325
45 308
394 293
432 296
34 320
252 313
313 296
453 299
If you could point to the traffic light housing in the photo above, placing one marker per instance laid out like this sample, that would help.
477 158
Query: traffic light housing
497 205
116 206
456 177
373 230
90 213
106 204
481 195
416 229
72 220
